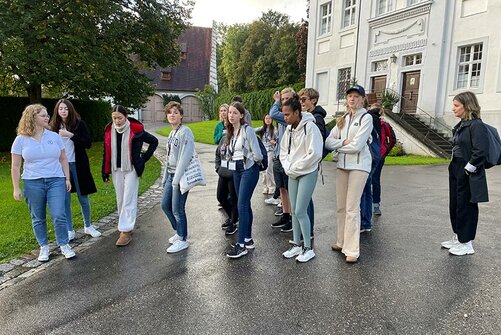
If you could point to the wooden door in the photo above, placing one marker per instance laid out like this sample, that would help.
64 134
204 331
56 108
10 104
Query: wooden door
378 86
191 109
410 92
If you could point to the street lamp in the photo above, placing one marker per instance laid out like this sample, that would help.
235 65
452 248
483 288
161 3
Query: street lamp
393 59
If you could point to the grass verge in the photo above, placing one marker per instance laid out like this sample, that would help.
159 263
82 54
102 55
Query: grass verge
16 234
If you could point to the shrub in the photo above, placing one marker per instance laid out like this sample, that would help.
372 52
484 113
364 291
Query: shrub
258 102
331 124
397 150
95 113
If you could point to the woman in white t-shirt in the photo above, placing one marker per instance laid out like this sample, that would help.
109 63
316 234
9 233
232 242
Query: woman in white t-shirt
75 135
46 177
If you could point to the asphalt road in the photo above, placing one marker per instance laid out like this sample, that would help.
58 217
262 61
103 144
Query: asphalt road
403 283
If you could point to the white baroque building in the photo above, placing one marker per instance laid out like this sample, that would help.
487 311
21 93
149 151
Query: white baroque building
425 50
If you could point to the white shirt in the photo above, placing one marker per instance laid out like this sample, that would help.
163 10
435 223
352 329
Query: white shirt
41 159
69 148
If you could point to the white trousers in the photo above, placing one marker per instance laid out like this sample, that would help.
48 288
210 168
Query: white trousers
126 188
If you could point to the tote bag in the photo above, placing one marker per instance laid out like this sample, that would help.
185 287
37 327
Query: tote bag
193 175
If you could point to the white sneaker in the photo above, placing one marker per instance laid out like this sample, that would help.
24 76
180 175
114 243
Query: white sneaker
71 235
44 253
305 255
450 243
174 238
177 246
90 230
462 249
66 251
271 201
293 251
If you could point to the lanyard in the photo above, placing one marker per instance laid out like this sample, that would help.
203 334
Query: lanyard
171 138
234 142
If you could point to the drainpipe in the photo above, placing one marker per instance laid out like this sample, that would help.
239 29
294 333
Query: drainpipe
356 44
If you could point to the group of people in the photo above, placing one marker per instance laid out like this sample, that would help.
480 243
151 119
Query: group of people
54 164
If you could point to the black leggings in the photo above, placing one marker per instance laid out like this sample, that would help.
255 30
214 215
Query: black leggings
463 213
227 197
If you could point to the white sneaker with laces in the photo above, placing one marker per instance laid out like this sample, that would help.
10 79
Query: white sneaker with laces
177 246
450 243
305 255
44 253
71 235
90 230
271 201
462 249
67 251
293 251
174 238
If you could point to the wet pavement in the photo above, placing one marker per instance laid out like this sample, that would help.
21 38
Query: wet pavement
403 283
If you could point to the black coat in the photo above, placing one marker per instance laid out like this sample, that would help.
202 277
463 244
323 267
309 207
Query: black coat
81 141
472 139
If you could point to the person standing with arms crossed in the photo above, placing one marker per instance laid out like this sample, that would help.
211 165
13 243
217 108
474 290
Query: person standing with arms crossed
349 138
75 135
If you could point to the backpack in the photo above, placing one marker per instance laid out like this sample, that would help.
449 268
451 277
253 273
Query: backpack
325 134
263 164
375 145
494 153
388 138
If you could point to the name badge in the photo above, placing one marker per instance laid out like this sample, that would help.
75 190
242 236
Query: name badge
224 163
232 166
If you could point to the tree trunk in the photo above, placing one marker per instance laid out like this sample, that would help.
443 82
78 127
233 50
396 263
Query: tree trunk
35 93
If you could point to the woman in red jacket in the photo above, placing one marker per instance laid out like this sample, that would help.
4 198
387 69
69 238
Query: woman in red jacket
123 140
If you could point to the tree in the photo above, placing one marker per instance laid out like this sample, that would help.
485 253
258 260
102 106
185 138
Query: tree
302 48
206 99
235 38
92 48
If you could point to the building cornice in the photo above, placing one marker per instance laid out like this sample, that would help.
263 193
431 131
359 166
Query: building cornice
399 15
399 47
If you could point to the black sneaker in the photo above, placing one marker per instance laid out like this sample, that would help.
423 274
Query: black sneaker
249 244
280 223
237 251
226 224
231 229
287 227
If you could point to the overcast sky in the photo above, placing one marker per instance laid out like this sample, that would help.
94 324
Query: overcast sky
243 11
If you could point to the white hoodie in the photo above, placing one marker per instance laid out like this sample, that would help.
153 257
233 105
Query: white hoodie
356 155
301 148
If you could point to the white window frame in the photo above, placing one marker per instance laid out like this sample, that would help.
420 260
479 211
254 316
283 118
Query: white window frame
323 91
384 6
413 2
414 59
472 65
380 61
349 12
341 89
325 21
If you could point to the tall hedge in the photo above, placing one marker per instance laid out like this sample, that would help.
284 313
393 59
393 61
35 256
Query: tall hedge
258 103
96 115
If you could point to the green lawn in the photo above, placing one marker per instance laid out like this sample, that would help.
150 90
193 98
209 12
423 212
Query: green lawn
204 133
16 234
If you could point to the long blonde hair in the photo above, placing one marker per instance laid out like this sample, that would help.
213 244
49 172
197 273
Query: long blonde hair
27 125
340 120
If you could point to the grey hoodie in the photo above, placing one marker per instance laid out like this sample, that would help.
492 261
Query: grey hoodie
180 149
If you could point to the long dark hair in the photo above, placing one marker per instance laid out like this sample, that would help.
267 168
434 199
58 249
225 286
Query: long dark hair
71 121
265 127
229 126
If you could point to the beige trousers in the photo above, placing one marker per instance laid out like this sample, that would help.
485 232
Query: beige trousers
349 187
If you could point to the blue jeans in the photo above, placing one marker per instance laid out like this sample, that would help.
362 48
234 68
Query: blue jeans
174 206
376 182
245 182
300 192
82 199
366 200
43 192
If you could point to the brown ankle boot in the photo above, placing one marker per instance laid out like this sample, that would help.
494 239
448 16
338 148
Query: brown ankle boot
124 239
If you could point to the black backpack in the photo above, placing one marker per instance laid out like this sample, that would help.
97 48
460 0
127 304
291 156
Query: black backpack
494 153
